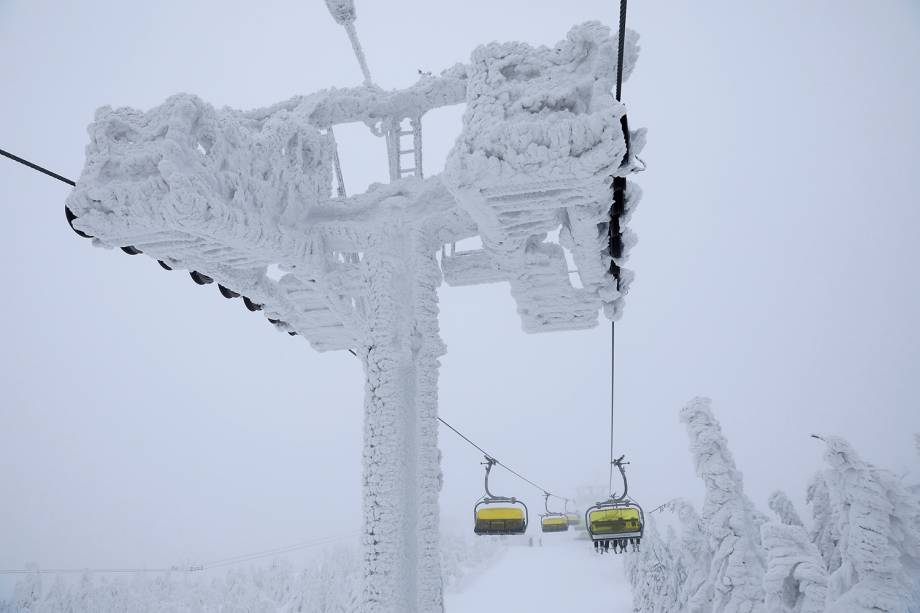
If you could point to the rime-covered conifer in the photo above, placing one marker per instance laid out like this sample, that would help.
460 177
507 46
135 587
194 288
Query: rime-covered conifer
879 527
738 566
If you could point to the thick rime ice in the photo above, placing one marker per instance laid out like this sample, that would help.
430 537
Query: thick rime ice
245 199
541 141
401 465
862 553
738 564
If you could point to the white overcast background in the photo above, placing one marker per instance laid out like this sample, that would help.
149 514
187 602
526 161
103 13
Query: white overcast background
147 421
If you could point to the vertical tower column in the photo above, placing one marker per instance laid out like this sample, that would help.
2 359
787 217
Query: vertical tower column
402 475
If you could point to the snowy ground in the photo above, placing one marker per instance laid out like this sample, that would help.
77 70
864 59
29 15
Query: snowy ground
563 575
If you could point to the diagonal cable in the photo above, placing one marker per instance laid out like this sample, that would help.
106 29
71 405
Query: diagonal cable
500 463
35 166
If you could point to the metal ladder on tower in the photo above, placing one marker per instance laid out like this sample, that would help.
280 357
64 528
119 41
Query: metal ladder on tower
403 141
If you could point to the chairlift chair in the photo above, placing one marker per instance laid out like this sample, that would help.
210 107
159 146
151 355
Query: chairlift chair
617 521
573 518
553 522
498 515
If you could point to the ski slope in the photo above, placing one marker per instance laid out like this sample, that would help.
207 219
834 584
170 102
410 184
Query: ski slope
563 575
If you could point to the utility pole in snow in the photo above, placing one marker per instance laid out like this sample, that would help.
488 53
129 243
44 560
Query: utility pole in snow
231 196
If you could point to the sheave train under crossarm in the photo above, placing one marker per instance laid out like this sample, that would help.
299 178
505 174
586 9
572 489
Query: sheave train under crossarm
617 522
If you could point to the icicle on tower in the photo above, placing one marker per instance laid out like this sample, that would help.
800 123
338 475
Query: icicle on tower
228 195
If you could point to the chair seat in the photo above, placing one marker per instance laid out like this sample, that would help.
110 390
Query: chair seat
500 520
612 523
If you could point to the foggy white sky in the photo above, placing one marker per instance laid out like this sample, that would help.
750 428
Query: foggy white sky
146 420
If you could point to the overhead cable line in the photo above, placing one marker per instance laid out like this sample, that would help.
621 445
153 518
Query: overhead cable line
664 506
621 45
489 456
35 166
614 241
279 550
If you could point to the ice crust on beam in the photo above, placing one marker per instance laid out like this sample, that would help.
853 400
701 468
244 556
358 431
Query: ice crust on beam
229 194
216 192
541 142
189 164
372 105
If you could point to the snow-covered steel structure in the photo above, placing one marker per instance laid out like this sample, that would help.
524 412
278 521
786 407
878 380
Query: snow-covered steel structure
235 196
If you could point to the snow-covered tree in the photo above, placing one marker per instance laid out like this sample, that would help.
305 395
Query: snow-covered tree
825 526
879 527
57 600
693 559
760 519
915 488
28 593
653 575
331 584
862 553
738 565
334 586
462 556
780 504
796 579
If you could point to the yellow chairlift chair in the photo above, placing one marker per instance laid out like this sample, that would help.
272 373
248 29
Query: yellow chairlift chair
553 522
617 521
498 515
574 518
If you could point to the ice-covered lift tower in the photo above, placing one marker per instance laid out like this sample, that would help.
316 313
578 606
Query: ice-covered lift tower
234 196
